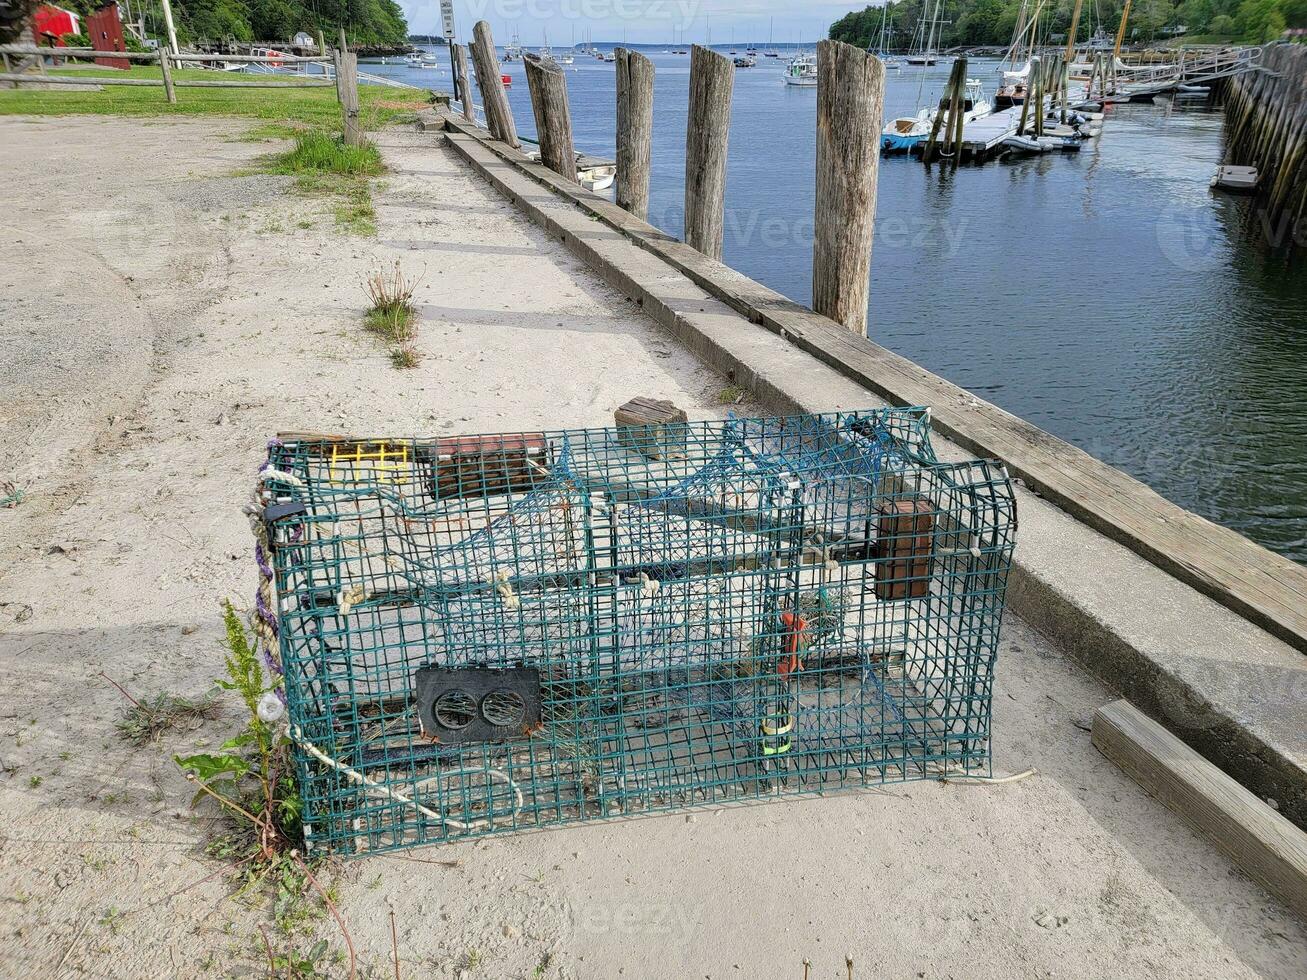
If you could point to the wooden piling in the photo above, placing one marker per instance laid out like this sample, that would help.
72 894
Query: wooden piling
950 94
960 117
712 79
548 88
850 103
499 117
635 82
459 54
169 92
347 88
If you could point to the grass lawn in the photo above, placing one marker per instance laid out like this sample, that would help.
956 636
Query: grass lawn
317 107
322 165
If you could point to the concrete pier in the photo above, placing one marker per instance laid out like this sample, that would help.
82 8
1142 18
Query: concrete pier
223 308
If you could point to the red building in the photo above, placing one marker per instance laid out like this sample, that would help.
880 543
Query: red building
51 23
106 32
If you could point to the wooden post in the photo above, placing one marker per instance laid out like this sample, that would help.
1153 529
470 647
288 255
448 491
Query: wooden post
548 88
459 54
8 70
950 90
169 92
322 45
960 119
499 117
850 101
712 79
635 81
1071 34
1030 91
347 87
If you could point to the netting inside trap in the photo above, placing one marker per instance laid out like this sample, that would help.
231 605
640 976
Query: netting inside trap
490 633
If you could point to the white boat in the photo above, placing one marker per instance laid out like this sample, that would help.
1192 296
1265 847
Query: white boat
1236 178
513 51
597 178
802 72
413 59
904 134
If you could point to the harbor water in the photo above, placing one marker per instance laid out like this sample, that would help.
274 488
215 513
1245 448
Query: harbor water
1108 296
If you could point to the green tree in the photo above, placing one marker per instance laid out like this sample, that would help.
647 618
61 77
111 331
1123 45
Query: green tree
1260 20
273 20
1222 25
1295 12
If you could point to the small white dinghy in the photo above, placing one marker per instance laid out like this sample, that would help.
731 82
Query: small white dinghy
1236 178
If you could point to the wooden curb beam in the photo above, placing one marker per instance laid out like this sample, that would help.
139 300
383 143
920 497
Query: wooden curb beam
850 98
635 85
548 87
1265 846
499 117
708 124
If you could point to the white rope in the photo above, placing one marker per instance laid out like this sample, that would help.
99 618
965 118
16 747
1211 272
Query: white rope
1016 777
377 789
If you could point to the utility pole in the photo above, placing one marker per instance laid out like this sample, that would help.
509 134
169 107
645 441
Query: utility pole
172 31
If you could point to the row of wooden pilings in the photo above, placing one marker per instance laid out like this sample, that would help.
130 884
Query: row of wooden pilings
1266 127
850 98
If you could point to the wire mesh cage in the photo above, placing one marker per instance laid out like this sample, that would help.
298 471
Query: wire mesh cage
492 633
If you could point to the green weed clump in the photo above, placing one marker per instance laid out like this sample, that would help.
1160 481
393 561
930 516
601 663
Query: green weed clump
323 163
251 778
391 313
146 719
319 152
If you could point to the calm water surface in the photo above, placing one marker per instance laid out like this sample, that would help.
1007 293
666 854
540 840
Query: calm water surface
1107 296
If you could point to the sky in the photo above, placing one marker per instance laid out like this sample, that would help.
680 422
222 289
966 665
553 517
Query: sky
636 21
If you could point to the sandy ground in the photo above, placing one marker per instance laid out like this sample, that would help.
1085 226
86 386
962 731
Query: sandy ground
159 320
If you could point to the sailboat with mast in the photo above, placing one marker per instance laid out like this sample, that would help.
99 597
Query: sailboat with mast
890 61
1015 69
924 52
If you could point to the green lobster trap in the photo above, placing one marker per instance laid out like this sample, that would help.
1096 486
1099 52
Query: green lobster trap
491 633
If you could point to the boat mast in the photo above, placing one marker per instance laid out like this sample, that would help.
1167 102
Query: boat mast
1120 33
1071 34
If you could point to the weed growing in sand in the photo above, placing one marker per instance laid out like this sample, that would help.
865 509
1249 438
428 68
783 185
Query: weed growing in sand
391 313
390 294
730 395
250 778
323 163
146 719
10 494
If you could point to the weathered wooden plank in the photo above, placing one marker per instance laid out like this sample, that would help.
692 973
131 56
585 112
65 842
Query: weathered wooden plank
707 131
635 85
1264 587
499 117
850 96
548 87
151 82
1265 846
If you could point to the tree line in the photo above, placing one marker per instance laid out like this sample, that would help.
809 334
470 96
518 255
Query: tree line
366 22
974 23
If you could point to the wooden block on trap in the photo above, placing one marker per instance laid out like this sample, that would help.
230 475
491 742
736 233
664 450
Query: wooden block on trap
652 427
904 549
